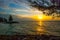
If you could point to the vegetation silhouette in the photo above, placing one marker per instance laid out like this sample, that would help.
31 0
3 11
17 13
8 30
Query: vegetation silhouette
10 20
3 20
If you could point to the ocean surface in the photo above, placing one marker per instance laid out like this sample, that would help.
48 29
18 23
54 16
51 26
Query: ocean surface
31 28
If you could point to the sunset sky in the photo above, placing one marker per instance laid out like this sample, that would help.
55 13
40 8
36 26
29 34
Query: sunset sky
21 7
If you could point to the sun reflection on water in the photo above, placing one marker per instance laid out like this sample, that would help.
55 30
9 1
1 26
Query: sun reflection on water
40 29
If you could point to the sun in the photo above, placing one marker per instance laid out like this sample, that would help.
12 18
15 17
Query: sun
40 16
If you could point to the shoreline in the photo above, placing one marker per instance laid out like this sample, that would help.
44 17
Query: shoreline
29 37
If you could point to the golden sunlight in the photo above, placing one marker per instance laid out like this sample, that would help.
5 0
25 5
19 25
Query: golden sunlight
38 15
42 17
40 29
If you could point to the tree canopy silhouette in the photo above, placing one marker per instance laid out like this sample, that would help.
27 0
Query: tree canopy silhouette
10 18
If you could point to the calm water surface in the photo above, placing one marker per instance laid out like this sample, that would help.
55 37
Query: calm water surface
32 28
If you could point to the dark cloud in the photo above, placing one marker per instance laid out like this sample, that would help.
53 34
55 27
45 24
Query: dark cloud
41 2
56 1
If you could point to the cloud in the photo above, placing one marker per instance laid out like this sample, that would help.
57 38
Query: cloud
21 6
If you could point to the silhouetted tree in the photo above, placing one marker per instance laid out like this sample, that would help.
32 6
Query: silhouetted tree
10 18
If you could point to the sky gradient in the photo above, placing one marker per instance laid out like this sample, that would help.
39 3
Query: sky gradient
21 7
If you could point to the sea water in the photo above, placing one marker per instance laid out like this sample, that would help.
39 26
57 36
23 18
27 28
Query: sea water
31 28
